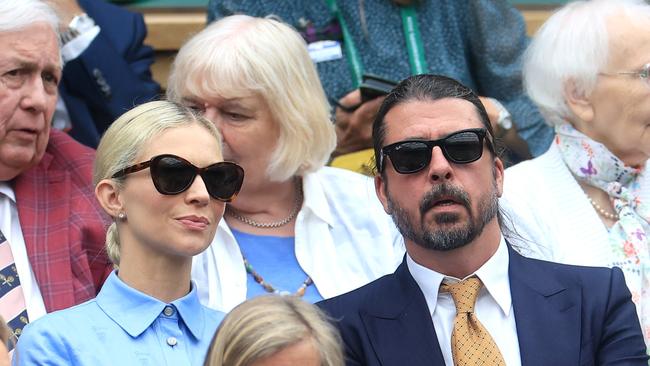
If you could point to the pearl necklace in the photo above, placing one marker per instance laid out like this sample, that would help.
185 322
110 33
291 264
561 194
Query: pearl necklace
605 214
274 224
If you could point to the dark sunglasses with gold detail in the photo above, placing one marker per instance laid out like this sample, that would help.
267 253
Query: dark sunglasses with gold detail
411 156
173 175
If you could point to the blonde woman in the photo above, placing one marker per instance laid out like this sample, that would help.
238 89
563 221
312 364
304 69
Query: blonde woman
276 330
297 227
159 173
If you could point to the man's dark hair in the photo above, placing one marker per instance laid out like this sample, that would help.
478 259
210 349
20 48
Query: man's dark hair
425 87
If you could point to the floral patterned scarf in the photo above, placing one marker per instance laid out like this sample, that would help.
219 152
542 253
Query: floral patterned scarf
593 164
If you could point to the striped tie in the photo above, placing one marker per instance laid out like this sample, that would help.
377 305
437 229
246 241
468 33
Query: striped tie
12 299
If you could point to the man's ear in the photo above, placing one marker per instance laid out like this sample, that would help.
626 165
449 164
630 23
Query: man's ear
108 195
579 104
380 189
498 175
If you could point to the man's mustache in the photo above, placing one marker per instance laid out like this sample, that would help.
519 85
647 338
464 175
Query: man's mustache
444 191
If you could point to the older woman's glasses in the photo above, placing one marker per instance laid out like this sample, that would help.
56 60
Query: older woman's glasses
643 73
411 156
173 175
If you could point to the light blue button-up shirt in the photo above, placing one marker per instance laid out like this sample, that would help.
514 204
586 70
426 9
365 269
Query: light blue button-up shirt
122 326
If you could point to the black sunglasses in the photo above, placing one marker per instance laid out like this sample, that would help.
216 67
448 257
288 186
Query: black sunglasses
411 156
172 175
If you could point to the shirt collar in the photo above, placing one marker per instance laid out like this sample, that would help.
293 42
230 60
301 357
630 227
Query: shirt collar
493 274
135 311
5 188
315 199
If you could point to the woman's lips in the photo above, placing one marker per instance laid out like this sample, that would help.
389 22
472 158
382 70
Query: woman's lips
194 222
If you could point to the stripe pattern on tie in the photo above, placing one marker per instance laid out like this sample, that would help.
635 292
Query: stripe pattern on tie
471 344
12 299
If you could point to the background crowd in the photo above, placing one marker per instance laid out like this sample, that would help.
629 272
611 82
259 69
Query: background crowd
141 227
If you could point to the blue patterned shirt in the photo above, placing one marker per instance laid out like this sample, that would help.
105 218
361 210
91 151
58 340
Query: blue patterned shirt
122 326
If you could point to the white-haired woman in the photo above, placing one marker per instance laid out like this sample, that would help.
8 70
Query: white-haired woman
297 227
276 330
587 200
160 174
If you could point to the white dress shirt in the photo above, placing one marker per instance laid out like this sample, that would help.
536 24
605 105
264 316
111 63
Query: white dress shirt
10 226
343 240
493 306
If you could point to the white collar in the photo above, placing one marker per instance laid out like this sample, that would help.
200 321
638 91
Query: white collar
5 188
315 200
493 274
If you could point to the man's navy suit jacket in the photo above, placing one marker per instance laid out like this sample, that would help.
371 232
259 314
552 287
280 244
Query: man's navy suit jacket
565 315
111 76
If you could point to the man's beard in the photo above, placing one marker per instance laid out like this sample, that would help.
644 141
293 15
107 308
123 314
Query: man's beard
459 233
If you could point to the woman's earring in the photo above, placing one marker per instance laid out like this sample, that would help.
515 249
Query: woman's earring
121 216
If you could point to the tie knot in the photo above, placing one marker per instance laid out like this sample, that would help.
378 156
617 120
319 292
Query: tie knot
464 293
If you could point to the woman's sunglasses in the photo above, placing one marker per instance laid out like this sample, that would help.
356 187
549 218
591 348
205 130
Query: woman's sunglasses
411 156
172 175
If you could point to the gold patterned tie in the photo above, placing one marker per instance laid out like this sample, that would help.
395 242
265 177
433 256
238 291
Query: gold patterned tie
471 344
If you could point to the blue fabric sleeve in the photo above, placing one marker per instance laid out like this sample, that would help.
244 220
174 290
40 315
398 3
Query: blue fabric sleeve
41 344
497 40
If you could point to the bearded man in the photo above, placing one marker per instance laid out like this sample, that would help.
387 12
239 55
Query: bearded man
463 295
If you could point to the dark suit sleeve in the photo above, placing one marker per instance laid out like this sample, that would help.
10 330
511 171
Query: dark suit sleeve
112 75
622 341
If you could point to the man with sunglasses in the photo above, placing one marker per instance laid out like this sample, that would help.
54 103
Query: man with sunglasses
53 256
463 295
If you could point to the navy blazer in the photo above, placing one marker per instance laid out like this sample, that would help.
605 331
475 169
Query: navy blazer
565 315
111 76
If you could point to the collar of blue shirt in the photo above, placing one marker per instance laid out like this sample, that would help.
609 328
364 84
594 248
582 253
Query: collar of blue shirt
135 311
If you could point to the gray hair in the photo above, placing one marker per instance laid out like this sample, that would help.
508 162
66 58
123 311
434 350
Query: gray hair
18 14
241 56
573 45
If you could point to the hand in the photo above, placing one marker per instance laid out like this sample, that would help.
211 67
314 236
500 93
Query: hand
354 129
66 9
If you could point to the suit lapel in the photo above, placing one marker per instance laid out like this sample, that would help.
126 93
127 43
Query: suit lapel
42 198
547 314
399 325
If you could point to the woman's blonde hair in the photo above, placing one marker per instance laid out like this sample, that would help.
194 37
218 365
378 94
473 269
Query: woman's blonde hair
265 325
125 139
241 56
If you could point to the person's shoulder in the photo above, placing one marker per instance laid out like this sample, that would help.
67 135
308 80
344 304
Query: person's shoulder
53 338
344 182
358 300
66 151
533 166
63 322
212 317
535 175
587 277
95 8
343 175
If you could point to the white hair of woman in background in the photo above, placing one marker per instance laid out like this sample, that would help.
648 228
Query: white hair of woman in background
587 200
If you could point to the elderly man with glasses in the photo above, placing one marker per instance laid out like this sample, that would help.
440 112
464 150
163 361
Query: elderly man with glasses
52 229
462 295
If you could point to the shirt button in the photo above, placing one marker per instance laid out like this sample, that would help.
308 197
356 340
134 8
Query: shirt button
172 341
168 311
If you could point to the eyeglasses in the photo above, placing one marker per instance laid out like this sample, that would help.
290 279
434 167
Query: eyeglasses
411 156
643 73
173 175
